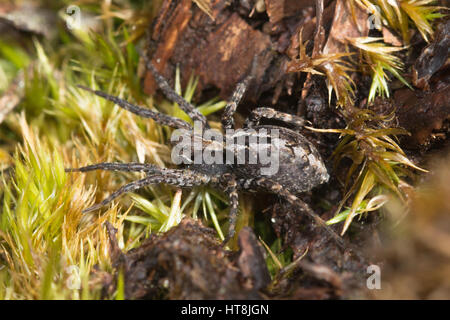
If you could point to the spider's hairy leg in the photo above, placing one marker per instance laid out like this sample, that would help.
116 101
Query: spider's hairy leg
114 166
239 91
160 118
230 108
174 177
232 191
278 189
292 199
191 111
269 113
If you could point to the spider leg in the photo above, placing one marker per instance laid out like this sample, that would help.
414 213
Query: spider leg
276 188
142 112
232 191
171 176
191 111
230 108
111 166
269 113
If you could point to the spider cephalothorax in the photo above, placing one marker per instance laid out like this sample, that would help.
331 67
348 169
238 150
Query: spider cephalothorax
300 167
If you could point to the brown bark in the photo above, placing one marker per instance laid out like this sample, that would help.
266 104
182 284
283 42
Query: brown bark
220 52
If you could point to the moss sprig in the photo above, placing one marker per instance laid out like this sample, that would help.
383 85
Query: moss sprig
378 163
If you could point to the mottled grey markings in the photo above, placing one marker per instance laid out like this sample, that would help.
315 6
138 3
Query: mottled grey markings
190 110
268 113
160 118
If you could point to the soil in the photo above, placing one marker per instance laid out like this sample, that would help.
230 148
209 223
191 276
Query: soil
188 262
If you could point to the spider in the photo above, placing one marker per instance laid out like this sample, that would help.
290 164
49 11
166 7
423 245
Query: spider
301 167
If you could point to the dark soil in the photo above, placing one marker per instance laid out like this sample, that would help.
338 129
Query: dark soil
188 262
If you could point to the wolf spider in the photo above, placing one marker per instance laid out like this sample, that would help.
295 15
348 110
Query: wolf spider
300 165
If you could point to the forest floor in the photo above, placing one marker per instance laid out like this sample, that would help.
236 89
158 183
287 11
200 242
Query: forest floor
370 79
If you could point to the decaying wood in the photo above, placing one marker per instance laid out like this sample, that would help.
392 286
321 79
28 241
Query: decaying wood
220 47
277 10
346 25
391 38
220 52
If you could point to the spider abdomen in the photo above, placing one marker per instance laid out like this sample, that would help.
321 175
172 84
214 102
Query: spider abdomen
296 164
